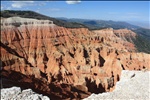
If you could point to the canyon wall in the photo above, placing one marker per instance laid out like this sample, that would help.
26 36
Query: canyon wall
71 60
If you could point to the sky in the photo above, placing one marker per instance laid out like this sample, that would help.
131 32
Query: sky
100 10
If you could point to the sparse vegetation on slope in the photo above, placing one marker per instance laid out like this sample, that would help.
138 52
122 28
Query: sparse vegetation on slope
144 32
142 41
142 44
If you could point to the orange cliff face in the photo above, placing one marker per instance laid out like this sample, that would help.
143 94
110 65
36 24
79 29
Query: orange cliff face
89 61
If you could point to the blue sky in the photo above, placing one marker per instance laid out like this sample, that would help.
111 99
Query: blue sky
103 10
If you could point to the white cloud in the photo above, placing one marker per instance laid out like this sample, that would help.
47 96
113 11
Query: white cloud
73 1
20 4
2 7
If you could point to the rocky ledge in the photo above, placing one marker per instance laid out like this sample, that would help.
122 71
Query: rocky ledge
15 93
133 85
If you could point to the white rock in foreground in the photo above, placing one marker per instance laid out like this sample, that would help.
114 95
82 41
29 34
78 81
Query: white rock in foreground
15 93
134 85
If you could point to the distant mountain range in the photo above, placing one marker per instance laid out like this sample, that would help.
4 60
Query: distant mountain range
107 23
99 24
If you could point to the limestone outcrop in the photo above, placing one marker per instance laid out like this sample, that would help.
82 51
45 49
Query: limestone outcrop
18 21
133 85
70 60
15 93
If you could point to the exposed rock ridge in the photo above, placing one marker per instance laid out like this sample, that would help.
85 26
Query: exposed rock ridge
15 93
18 21
133 85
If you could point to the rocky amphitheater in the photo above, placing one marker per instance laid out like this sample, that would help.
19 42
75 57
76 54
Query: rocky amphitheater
68 63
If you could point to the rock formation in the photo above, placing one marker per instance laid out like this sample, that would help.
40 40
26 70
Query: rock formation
17 22
133 85
68 61
15 93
